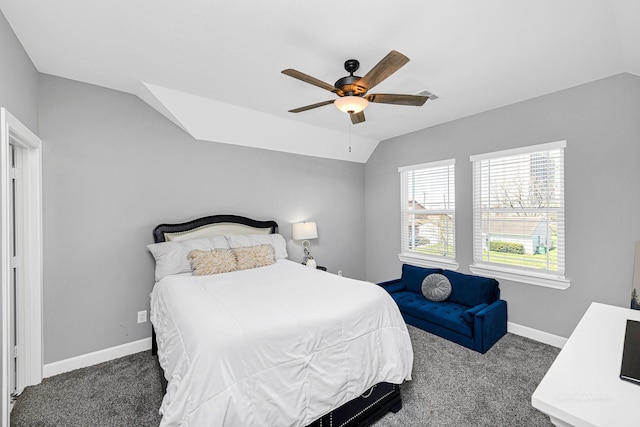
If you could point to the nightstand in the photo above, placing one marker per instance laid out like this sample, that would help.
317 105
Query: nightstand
318 267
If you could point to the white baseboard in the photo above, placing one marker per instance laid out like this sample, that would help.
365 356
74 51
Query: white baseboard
96 357
535 334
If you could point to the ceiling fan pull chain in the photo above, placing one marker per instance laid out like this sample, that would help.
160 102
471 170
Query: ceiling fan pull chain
350 126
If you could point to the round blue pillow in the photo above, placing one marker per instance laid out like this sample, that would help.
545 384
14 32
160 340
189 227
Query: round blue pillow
436 287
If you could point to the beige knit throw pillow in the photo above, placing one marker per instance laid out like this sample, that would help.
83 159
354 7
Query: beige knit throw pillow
212 262
254 256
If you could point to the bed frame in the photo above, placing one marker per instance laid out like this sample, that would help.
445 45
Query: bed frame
362 411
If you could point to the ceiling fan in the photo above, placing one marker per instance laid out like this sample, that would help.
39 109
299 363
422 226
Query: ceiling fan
352 90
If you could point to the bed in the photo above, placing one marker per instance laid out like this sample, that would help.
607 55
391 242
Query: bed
281 344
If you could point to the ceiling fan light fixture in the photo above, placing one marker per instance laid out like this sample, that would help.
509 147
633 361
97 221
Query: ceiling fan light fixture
351 104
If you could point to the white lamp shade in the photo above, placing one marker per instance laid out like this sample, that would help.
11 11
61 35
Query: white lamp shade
351 104
304 231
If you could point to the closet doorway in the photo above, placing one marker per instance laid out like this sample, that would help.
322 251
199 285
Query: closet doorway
20 258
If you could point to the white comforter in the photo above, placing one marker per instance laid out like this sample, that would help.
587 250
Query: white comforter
274 346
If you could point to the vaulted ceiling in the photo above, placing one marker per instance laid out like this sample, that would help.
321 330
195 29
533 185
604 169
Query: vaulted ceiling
214 67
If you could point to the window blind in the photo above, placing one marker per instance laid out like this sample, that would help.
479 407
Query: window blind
518 208
428 210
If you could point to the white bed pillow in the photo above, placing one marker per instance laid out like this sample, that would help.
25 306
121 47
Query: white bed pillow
245 240
172 257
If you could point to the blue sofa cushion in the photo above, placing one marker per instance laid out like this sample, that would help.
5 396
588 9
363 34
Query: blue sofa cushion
471 313
444 313
413 276
470 290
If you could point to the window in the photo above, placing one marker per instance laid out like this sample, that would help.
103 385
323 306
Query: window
518 214
428 214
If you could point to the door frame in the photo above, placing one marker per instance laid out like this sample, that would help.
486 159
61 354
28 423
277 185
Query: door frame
13 132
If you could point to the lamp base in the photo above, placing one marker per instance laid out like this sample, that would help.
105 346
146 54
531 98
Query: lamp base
305 246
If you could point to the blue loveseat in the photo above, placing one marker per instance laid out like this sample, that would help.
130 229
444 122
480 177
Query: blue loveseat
473 316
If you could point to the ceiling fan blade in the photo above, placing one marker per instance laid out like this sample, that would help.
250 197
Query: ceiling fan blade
357 117
383 69
308 79
389 98
312 106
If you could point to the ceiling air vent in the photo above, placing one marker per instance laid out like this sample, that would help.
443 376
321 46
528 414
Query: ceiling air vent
431 96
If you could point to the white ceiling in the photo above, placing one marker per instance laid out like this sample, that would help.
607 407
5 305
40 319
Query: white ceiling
213 67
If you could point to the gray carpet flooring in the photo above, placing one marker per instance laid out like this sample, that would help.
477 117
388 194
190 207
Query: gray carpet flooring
451 386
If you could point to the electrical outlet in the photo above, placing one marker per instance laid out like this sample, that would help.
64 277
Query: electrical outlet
142 316
339 272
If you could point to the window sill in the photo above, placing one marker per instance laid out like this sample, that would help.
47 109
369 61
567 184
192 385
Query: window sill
529 277
429 262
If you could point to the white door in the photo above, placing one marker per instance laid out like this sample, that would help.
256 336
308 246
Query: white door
16 285
12 284
20 258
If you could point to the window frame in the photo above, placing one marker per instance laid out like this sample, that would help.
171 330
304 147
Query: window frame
414 258
539 277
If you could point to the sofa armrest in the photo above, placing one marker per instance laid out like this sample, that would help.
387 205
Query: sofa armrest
490 324
393 285
470 314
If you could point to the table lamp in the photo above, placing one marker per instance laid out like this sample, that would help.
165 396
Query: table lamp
305 231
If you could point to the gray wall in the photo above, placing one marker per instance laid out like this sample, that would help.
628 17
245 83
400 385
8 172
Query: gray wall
601 123
114 168
18 78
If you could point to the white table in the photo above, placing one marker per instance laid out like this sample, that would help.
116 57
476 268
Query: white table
583 386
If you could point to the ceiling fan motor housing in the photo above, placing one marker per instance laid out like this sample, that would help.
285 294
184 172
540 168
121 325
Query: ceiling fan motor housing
350 85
